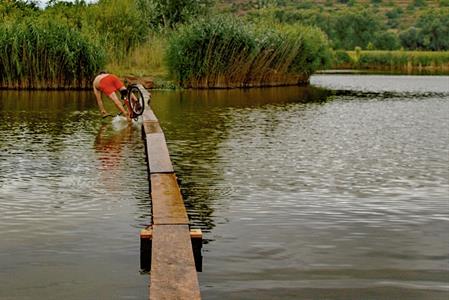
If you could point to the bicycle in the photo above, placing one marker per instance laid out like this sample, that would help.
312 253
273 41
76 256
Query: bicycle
134 99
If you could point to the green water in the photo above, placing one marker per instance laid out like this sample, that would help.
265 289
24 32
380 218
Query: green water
301 193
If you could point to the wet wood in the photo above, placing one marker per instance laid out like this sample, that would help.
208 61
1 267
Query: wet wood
167 203
173 274
151 127
172 261
148 115
158 156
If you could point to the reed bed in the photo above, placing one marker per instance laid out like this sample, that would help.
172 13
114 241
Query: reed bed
405 61
46 55
226 53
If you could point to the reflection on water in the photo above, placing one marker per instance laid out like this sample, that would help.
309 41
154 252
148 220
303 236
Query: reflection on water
302 193
197 123
341 199
73 193
384 83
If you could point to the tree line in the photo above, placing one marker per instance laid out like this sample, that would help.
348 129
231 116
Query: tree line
368 27
65 43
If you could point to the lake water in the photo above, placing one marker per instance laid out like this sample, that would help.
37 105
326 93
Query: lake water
339 191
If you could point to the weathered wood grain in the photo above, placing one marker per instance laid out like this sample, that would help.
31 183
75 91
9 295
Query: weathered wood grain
158 156
148 115
173 274
167 203
151 127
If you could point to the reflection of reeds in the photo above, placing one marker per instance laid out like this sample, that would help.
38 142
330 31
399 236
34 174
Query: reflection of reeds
406 61
46 55
225 53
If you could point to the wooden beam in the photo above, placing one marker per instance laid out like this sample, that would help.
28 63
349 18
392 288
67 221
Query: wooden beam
173 274
158 156
172 261
148 115
151 127
167 203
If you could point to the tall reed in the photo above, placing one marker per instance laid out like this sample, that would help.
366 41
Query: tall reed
406 61
46 55
225 52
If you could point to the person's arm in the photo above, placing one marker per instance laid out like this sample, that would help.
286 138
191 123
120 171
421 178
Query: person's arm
99 101
119 105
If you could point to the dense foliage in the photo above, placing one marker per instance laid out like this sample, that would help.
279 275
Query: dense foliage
224 52
47 54
366 24
403 61
162 14
273 42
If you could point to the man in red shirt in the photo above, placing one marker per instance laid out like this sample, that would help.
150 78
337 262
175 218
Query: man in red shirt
109 84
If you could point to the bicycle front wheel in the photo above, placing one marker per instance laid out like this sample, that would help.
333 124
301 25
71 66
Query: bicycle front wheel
136 100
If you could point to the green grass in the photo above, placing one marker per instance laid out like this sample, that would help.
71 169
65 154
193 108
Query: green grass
404 61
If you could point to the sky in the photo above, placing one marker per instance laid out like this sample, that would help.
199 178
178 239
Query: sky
43 3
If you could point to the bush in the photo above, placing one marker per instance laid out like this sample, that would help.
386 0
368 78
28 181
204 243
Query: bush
42 55
403 60
226 52
119 25
342 57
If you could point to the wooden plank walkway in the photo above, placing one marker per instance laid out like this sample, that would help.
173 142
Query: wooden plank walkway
173 273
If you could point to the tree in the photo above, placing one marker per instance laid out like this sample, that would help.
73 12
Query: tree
386 40
434 26
168 13
410 38
352 28
431 32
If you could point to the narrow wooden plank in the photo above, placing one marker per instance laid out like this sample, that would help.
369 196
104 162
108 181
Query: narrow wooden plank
158 156
148 115
173 274
166 200
152 127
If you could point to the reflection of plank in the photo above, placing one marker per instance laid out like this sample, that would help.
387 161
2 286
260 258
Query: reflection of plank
167 203
173 274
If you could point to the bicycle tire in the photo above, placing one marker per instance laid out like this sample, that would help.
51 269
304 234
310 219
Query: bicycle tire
136 100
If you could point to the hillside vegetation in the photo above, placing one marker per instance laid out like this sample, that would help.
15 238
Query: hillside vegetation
368 24
208 43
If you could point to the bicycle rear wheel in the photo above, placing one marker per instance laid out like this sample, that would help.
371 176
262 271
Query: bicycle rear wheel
136 100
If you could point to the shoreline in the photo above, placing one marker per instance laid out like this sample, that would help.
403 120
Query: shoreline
153 83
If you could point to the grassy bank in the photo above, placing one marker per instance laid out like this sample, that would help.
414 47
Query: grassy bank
399 61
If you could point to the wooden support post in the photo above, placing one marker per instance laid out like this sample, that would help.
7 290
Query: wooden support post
146 236
196 236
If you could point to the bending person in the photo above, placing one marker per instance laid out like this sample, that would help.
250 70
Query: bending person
109 84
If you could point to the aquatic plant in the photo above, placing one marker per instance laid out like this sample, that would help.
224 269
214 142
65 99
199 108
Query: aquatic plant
46 55
224 52
403 60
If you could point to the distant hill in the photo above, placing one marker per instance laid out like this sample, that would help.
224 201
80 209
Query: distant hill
369 24
408 10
